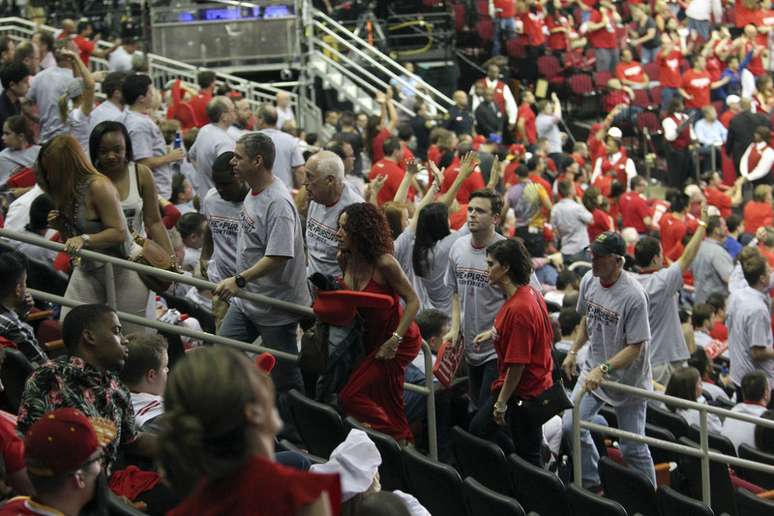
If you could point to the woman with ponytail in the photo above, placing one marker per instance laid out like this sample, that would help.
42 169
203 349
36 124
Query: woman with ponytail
217 443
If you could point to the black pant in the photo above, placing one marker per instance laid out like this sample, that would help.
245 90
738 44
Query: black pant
480 380
679 166
535 242
523 439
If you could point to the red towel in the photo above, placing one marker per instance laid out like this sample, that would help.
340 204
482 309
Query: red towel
132 482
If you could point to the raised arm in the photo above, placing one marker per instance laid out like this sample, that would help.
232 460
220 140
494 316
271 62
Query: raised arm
468 165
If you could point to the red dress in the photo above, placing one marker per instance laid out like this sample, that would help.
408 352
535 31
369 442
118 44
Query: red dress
374 392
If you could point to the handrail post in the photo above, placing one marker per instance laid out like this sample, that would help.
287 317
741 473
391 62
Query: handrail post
432 429
577 456
110 286
705 460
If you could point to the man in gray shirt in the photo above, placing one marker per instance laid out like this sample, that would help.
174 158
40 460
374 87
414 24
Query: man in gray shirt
329 195
617 330
212 141
45 89
713 265
547 124
667 349
270 261
475 302
570 219
148 143
749 324
289 162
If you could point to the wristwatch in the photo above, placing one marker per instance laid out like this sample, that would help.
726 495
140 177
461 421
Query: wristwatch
86 239
240 281
605 368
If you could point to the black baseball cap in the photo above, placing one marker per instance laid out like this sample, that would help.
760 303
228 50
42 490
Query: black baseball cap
607 243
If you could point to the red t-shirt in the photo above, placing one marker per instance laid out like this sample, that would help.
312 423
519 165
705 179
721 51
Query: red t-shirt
630 71
600 222
533 29
719 331
24 506
377 145
199 107
470 185
697 84
556 40
757 214
525 113
434 154
86 48
604 37
389 168
505 8
725 117
745 16
672 233
523 336
718 199
459 217
634 208
407 156
261 487
669 69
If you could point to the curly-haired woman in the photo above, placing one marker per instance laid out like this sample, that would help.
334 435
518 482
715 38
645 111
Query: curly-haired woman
374 392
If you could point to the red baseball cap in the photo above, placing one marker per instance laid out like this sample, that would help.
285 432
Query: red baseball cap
61 441
338 307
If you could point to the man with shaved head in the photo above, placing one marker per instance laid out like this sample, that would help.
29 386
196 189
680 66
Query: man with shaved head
289 160
460 117
328 196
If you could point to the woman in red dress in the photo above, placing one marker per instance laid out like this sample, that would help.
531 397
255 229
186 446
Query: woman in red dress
217 443
374 392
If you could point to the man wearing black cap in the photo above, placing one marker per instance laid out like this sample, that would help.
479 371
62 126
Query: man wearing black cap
616 327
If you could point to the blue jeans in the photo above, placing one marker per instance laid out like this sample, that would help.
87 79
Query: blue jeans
285 375
607 59
631 418
667 96
702 27
506 25
648 55
480 379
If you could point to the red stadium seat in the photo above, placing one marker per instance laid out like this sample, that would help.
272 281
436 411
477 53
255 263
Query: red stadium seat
459 16
581 84
601 78
549 66
485 28
648 120
516 48
641 99
25 178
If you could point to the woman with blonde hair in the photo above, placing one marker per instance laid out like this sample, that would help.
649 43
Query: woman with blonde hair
88 216
217 443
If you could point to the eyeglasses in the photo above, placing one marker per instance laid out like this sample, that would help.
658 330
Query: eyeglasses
102 458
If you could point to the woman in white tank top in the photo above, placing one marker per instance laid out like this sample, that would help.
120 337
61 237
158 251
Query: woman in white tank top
110 149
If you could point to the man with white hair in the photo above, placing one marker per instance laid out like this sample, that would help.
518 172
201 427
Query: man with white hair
284 109
212 141
329 195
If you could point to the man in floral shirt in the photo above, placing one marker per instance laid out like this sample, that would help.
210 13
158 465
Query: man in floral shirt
87 379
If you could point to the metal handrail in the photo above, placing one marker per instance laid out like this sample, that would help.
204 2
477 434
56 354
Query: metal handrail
354 77
316 13
703 452
427 390
376 64
168 66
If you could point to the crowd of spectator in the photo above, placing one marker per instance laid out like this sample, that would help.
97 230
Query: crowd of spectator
488 230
